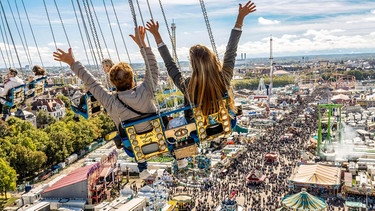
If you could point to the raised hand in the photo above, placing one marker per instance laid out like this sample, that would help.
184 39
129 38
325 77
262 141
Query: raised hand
243 11
247 9
139 36
62 56
153 28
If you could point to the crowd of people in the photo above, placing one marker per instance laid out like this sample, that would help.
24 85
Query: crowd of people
267 195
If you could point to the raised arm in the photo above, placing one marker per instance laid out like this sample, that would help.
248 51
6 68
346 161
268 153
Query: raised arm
153 28
243 11
151 79
139 36
170 64
231 50
90 82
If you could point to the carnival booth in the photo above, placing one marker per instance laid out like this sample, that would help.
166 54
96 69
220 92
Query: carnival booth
270 157
255 177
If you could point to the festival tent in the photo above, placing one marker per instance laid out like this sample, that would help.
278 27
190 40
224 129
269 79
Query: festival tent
281 72
317 174
303 201
340 97
341 91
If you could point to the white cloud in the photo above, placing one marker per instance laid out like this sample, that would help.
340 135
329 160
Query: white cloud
296 26
315 42
264 21
289 36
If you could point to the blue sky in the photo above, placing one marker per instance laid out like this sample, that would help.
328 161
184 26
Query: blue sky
298 27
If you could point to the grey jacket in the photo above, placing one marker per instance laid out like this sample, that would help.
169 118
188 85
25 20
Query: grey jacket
182 83
140 98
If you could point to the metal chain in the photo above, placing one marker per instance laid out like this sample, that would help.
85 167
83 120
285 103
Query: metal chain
7 46
87 34
62 24
110 27
143 23
100 29
19 33
210 34
122 36
93 29
32 32
10 34
80 32
50 26
23 33
131 5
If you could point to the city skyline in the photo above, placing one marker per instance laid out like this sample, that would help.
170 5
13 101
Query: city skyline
297 27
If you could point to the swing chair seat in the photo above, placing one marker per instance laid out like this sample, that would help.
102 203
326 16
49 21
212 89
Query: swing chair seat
216 125
88 108
16 96
36 87
183 137
147 144
184 143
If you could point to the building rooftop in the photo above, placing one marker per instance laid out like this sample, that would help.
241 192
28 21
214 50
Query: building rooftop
75 176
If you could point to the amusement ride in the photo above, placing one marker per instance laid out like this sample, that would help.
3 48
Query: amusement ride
185 142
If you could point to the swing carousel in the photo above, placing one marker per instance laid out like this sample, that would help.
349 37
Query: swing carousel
185 141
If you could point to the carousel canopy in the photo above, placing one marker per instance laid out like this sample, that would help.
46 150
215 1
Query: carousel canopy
303 201
317 174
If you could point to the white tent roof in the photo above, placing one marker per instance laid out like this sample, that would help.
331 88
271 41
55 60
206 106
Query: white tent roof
281 72
340 97
146 189
317 174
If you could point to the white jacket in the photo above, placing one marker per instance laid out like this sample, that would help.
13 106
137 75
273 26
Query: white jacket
10 83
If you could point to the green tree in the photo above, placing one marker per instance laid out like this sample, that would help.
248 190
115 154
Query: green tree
40 138
8 178
60 144
18 126
4 129
66 101
105 123
357 73
84 132
6 148
43 118
26 161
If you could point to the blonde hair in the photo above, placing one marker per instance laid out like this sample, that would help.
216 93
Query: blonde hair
206 86
121 76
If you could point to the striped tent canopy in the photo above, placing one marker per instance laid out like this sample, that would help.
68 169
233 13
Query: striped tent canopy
303 201
317 175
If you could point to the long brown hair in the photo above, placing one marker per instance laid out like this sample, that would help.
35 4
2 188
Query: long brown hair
207 87
38 70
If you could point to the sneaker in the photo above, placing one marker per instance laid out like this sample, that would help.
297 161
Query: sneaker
182 163
144 174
